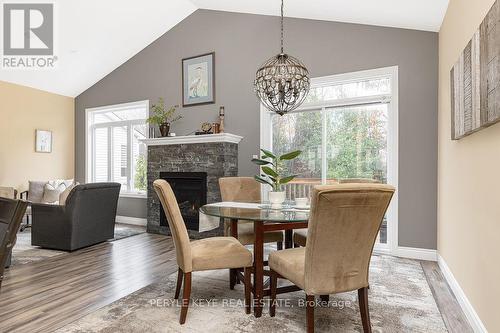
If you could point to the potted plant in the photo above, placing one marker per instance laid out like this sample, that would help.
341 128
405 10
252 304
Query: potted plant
272 168
163 117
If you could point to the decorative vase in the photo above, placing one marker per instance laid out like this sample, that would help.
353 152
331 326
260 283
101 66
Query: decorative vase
164 129
276 199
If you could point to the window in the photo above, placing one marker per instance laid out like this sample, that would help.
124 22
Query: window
346 128
114 150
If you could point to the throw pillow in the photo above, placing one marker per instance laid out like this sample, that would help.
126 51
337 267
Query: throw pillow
50 194
64 194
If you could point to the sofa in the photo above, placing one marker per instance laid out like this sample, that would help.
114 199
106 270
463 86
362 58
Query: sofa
87 217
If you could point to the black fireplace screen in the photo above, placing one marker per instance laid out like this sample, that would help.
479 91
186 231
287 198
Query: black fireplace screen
190 189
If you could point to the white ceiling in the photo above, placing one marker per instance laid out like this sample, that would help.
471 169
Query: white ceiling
94 37
412 14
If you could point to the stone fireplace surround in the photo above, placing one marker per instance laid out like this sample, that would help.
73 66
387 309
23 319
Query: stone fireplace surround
215 154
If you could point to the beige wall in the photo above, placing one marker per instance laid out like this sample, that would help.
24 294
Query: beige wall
468 180
22 110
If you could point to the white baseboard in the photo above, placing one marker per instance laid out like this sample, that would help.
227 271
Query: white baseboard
470 313
131 220
416 253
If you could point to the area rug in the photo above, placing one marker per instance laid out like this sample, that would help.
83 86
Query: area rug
399 297
24 253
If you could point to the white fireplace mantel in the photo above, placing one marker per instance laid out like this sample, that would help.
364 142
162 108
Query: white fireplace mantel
190 139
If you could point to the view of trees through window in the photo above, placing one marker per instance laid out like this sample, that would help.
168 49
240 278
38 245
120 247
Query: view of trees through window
356 142
348 123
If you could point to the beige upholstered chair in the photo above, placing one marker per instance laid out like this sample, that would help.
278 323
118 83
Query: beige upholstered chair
300 235
245 189
199 255
343 226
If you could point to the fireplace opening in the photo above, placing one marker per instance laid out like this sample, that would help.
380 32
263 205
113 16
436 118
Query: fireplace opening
190 189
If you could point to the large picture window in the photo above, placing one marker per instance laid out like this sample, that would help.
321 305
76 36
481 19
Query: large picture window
346 129
114 150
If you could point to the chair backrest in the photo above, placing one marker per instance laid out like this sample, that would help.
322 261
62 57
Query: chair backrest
343 226
35 190
176 224
92 207
8 192
11 215
239 189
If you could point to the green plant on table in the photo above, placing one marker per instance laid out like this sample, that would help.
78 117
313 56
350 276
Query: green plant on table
272 168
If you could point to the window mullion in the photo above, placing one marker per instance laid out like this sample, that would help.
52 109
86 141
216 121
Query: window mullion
93 154
110 154
130 154
323 146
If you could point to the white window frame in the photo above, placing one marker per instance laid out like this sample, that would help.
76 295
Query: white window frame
89 142
392 102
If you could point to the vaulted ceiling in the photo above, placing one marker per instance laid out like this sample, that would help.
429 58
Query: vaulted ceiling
93 37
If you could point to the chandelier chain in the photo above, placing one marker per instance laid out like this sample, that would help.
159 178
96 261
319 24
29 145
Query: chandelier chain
282 33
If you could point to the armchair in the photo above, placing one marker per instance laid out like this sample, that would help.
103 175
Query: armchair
87 218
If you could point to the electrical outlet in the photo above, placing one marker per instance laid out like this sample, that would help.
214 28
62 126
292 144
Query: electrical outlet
255 156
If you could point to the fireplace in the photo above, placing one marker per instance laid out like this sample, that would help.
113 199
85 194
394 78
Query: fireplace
190 189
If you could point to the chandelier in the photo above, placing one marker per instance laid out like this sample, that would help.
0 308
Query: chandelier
282 82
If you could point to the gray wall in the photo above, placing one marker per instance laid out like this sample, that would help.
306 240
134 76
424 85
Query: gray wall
241 43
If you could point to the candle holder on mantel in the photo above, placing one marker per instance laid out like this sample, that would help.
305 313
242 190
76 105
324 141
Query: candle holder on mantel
221 119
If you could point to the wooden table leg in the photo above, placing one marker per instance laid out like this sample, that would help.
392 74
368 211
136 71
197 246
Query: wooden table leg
233 276
258 268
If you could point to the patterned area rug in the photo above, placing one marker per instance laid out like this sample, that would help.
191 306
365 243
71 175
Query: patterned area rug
400 301
24 253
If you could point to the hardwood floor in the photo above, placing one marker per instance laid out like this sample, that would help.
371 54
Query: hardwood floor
47 295
452 313
44 296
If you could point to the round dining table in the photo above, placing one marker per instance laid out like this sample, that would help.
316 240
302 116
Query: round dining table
264 219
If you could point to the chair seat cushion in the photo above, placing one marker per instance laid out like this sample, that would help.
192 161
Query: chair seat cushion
219 253
290 264
246 235
300 237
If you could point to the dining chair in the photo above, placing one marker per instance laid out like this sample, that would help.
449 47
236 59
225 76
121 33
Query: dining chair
343 226
245 189
11 215
300 235
200 255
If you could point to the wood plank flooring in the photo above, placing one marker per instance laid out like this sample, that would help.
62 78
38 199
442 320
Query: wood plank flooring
452 313
44 296
47 295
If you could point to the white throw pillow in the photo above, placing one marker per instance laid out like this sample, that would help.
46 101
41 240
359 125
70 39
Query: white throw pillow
64 194
53 189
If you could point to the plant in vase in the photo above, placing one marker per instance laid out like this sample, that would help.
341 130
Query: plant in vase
163 117
272 168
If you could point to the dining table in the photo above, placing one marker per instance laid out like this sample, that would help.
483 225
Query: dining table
264 218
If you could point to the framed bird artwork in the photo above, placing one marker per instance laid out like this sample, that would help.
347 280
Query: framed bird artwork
198 80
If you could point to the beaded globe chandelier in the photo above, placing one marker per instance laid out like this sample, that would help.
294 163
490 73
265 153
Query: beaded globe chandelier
282 82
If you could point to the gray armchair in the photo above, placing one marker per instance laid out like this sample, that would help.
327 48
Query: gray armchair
87 218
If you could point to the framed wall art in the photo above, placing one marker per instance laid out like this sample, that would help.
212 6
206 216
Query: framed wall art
43 141
198 80
475 80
